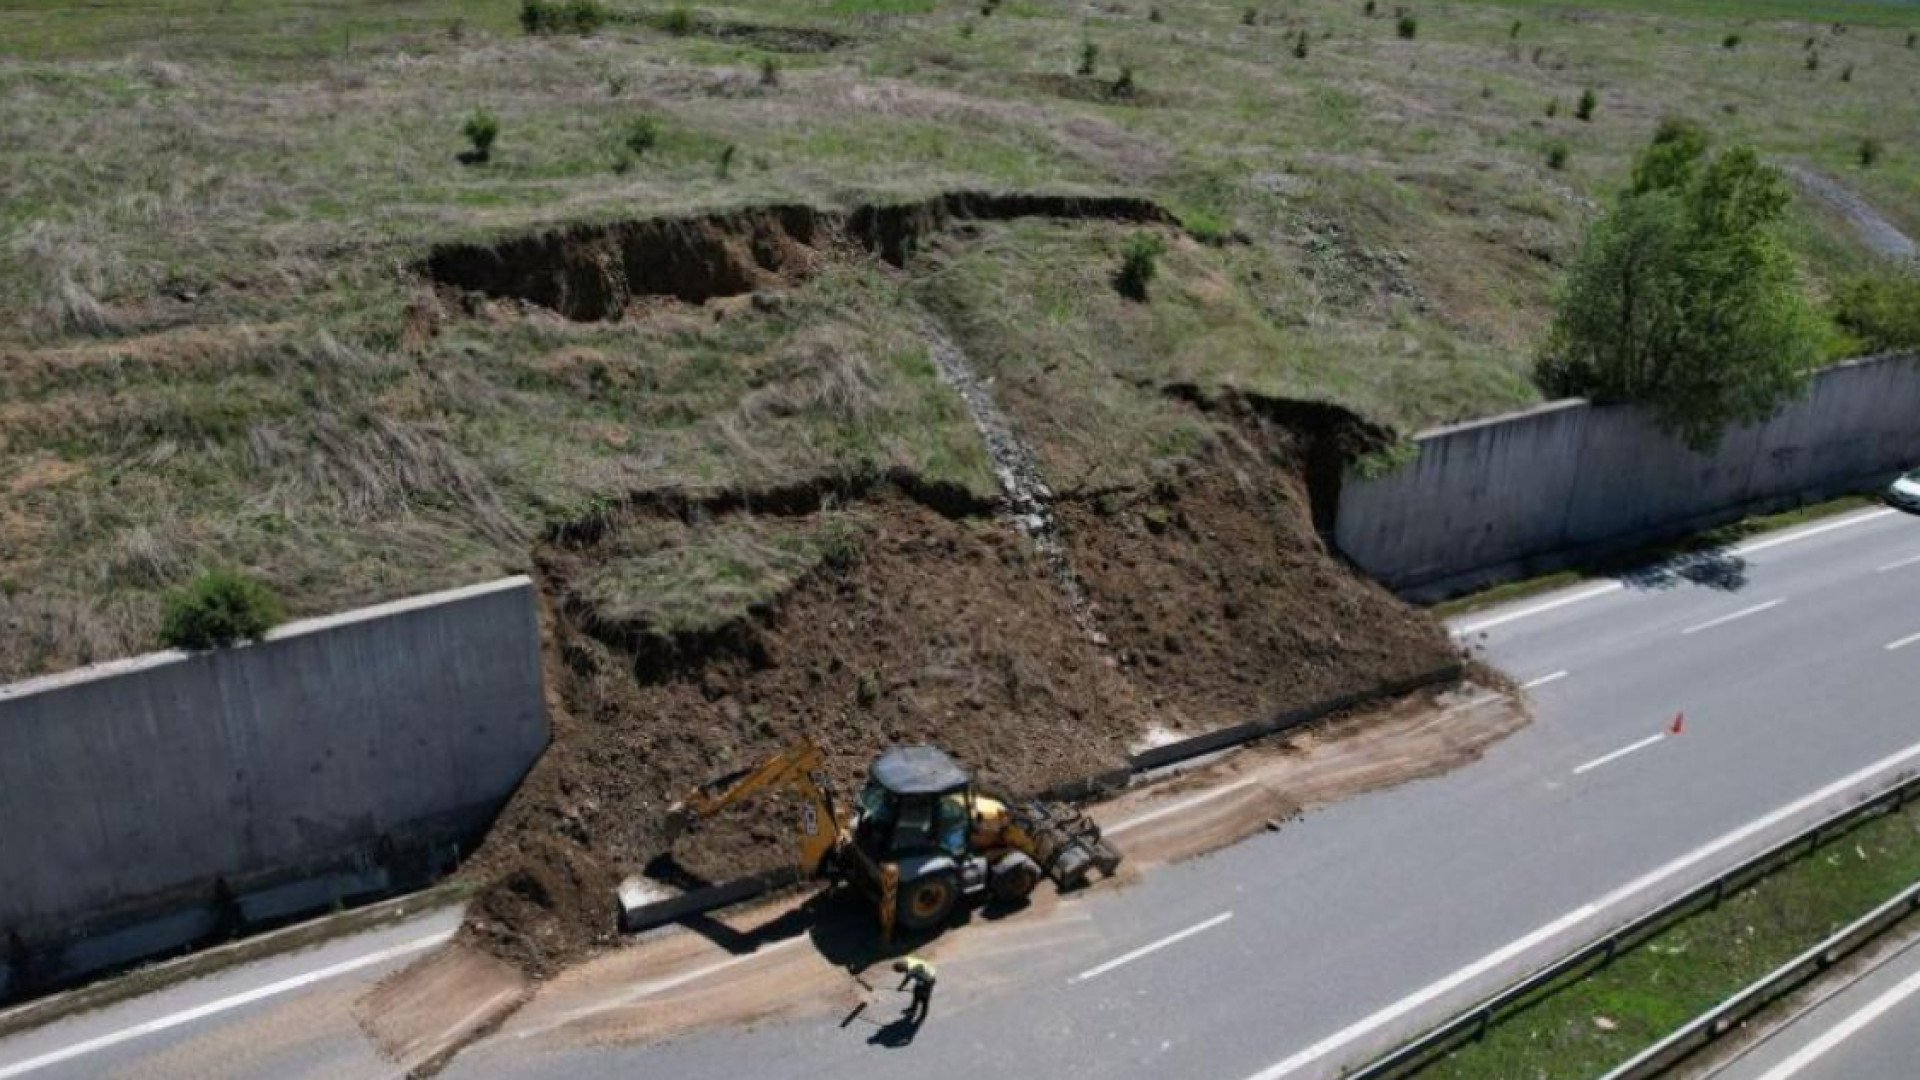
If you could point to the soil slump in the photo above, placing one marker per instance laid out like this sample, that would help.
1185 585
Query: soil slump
597 272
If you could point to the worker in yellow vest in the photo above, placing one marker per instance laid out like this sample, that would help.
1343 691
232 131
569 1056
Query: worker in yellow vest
920 973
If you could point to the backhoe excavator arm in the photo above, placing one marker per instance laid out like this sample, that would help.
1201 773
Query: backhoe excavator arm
796 769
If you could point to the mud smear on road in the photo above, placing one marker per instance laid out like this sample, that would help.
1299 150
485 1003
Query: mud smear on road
1265 786
420 1016
818 958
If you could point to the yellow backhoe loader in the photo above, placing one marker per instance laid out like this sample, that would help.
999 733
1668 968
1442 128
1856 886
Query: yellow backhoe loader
920 837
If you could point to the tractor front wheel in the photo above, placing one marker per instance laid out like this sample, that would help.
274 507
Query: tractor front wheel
927 901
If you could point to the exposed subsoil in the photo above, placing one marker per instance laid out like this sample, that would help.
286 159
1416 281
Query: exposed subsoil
1220 598
597 272
943 630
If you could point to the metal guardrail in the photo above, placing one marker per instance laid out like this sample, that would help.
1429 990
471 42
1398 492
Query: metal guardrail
714 897
1474 1023
1700 1032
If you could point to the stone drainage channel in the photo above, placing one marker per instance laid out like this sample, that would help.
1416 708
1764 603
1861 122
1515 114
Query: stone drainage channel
1026 500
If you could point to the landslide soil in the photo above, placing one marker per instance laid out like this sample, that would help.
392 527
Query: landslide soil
941 630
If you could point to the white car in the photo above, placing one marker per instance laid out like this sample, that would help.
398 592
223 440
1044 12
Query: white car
1905 492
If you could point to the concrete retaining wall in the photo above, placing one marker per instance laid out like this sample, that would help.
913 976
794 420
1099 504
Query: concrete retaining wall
155 802
1536 491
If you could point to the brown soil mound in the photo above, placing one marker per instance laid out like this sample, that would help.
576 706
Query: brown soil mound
942 630
1222 599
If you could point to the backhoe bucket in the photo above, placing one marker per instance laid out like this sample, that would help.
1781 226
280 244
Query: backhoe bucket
1067 844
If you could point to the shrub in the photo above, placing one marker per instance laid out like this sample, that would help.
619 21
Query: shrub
1846 73
1553 108
679 22
1870 151
1588 101
1138 265
1813 60
727 154
1300 46
1912 37
769 72
1408 27
219 609
1368 9
1557 156
1731 41
568 17
617 84
481 129
1153 15
1124 86
1089 57
1249 17
641 135
1513 32
1880 309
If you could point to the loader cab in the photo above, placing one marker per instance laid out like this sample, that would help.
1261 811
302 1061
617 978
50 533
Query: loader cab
918 801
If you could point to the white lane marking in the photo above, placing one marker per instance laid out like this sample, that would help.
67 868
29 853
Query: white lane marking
201 1012
1752 546
1620 753
1544 680
1360 1029
1177 807
1844 1030
1725 619
1901 565
661 986
1604 588
1902 643
1153 948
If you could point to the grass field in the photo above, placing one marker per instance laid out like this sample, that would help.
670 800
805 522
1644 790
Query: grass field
1597 1023
214 351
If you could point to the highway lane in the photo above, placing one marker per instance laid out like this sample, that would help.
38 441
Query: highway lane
1868 1031
1324 941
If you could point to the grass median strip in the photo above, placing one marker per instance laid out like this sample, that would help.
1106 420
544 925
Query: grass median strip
1594 1024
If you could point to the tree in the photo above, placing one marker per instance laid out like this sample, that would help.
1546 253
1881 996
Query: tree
1683 296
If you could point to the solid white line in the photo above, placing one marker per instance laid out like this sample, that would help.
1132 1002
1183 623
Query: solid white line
1902 564
1177 807
1544 680
1844 1030
1153 948
1902 643
1588 593
1604 588
1725 619
201 1012
1752 546
1368 1025
1620 753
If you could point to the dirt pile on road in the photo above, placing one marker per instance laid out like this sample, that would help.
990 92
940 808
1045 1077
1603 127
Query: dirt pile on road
936 629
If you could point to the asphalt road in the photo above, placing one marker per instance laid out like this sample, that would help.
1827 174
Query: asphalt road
1299 951
1869 1030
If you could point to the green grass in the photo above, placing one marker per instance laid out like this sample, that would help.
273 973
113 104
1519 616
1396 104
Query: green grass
207 210
1600 1021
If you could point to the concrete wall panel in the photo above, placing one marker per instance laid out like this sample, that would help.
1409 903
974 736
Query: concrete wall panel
362 750
1526 493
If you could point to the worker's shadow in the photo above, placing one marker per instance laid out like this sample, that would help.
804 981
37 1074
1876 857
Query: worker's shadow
899 1033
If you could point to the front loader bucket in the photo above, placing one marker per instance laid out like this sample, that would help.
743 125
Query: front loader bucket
1067 844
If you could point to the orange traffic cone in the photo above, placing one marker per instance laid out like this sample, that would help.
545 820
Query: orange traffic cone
1679 724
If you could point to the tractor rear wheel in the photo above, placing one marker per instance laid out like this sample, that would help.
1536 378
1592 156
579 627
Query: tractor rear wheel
1013 877
925 902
